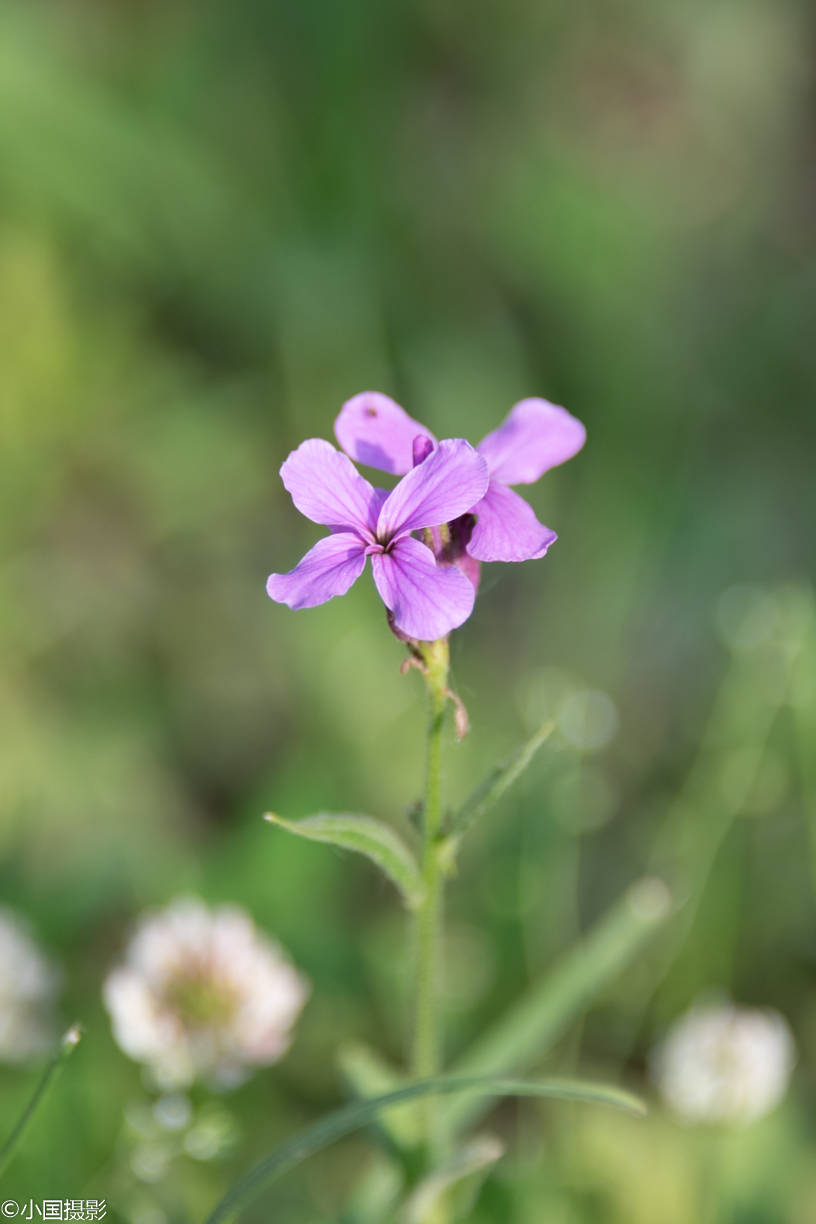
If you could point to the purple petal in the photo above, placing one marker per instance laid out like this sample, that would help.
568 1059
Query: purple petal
426 601
507 528
378 501
451 480
374 430
534 437
328 489
328 569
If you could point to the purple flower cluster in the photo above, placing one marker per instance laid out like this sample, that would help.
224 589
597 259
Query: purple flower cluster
459 496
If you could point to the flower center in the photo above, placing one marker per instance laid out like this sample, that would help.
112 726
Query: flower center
381 545
200 1001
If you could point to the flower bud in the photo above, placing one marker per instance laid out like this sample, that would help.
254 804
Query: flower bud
422 448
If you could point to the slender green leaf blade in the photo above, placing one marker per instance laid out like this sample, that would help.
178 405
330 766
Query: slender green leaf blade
363 835
352 1117
540 1016
500 779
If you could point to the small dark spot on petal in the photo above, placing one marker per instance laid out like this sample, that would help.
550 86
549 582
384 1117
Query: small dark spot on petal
372 412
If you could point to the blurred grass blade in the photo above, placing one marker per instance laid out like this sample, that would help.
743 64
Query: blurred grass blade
500 779
455 1185
803 710
531 1026
67 1045
760 683
352 1117
363 835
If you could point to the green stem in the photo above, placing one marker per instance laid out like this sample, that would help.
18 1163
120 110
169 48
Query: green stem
67 1046
426 1055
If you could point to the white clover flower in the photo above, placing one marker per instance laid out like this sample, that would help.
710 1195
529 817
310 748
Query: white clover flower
28 987
723 1063
202 994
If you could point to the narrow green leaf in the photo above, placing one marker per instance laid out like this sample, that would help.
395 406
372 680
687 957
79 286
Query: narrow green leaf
67 1046
352 1117
365 836
519 1038
500 779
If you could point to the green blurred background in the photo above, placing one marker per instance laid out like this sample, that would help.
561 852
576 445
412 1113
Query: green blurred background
217 222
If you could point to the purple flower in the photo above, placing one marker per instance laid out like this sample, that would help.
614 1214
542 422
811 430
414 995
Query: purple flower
534 437
425 601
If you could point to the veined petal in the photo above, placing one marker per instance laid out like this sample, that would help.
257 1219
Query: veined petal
534 437
507 528
374 430
330 568
328 489
426 601
378 501
448 483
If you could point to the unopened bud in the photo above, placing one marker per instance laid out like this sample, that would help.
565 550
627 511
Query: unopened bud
421 449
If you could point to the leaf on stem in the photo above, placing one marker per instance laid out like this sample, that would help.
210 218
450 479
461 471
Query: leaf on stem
491 789
364 835
352 1117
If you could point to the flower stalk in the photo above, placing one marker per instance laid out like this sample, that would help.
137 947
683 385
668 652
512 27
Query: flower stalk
429 915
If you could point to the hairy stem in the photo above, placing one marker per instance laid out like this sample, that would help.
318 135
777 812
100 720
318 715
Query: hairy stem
426 1053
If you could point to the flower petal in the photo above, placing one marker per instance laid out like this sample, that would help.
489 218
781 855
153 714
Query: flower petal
330 568
446 484
507 528
328 489
534 437
426 601
374 430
